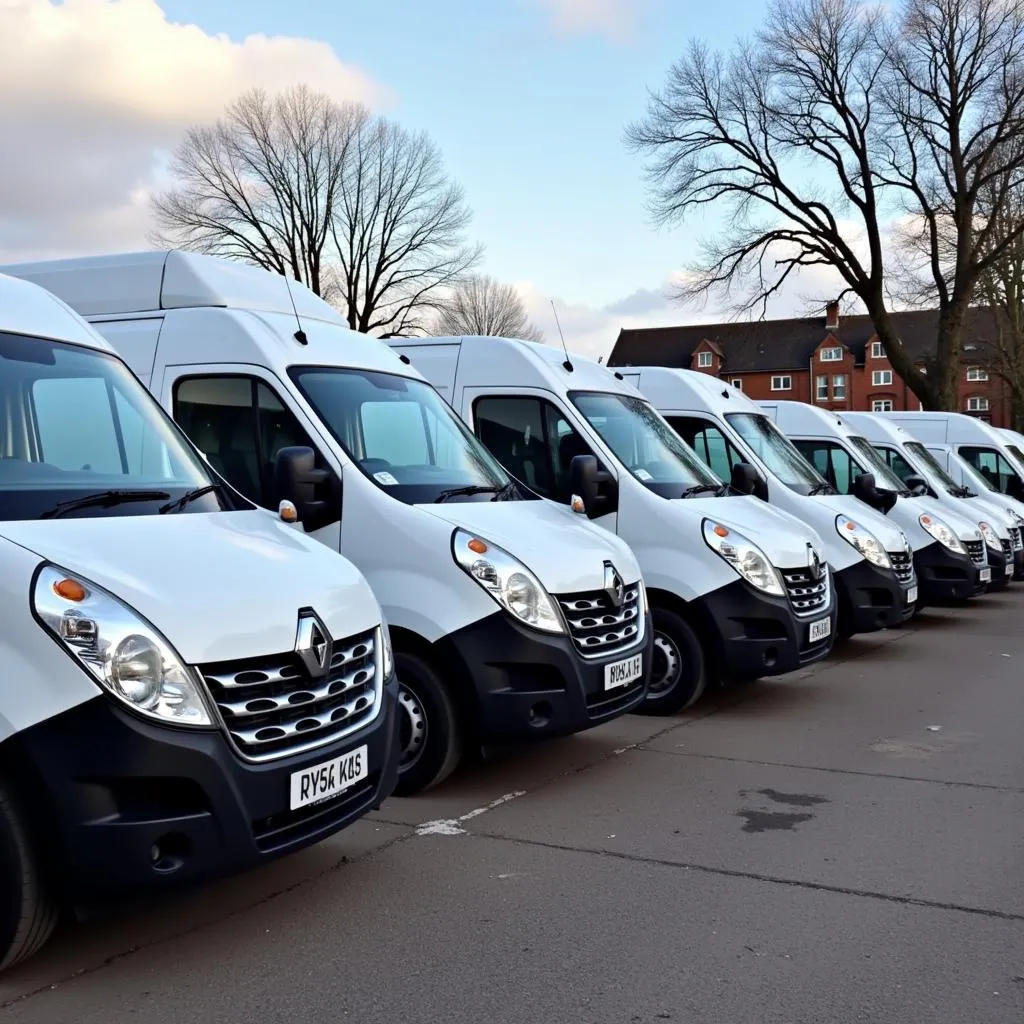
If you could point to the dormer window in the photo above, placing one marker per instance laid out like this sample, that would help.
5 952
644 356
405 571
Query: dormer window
831 355
704 359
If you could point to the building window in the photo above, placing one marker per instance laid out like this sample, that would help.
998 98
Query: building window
977 405
704 359
821 389
782 383
831 355
737 382
877 352
879 378
839 387
881 405
976 373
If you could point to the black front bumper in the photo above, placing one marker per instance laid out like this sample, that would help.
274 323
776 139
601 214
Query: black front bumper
753 634
1018 564
999 564
531 685
871 598
109 790
945 576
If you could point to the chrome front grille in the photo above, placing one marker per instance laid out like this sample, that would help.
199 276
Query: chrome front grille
976 549
1015 540
806 594
271 707
597 627
903 566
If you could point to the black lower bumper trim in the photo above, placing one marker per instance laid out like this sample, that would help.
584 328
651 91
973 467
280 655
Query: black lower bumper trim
871 598
755 634
945 576
999 564
126 804
531 685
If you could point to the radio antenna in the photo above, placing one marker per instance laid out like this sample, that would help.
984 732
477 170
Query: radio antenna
568 363
300 334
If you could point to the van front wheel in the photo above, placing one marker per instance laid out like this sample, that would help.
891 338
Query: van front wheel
28 913
679 670
429 735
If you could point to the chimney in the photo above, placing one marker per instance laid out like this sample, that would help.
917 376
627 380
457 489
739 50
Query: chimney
832 316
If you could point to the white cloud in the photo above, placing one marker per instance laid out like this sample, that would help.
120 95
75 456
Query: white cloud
614 19
99 91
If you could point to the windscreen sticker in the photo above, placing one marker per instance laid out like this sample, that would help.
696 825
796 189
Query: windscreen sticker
642 474
385 478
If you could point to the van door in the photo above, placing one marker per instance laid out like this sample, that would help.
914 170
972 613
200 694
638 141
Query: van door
995 467
708 440
240 417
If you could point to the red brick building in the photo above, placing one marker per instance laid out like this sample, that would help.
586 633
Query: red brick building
834 362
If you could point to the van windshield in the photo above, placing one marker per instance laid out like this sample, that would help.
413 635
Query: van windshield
82 437
934 466
646 445
777 452
403 435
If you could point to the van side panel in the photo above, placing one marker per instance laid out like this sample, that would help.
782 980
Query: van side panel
135 342
438 363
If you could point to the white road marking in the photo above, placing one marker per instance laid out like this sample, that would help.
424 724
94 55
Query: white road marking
451 826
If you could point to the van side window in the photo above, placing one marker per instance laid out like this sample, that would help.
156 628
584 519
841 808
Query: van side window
995 468
832 461
532 440
240 425
897 463
708 441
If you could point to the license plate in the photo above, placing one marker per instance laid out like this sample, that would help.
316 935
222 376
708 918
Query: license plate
985 575
912 595
619 673
329 778
1009 568
820 629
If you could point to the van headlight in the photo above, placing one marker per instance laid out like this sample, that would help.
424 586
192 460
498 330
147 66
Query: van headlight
387 654
864 541
937 529
992 541
744 556
118 648
508 581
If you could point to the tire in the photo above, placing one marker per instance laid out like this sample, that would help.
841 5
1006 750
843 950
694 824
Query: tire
28 912
430 736
679 673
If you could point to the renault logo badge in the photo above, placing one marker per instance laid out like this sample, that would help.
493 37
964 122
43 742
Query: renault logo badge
313 644
613 585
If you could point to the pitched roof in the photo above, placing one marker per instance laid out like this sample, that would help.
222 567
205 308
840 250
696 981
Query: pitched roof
767 345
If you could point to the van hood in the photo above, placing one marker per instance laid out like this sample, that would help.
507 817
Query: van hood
965 526
888 533
218 586
565 551
782 537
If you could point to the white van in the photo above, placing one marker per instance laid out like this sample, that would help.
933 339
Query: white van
949 553
871 558
982 445
919 470
189 686
512 619
737 589
1014 442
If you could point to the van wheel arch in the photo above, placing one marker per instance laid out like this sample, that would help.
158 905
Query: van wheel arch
438 693
684 625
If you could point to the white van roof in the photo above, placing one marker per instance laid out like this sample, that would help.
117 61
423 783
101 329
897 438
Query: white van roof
796 418
142 282
876 428
671 389
27 309
528 363
955 427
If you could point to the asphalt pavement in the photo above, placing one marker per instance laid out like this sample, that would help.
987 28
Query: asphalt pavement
838 845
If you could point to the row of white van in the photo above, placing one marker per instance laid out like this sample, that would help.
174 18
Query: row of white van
194 677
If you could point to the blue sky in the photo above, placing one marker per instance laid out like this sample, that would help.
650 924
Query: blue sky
529 117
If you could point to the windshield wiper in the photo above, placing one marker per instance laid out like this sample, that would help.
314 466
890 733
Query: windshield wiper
107 499
456 492
692 492
823 488
187 498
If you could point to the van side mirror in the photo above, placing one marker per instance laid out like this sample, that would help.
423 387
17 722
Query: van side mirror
918 486
1015 487
299 483
586 481
745 479
863 487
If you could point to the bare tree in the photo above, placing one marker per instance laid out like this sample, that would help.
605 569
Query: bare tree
357 207
834 110
480 305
